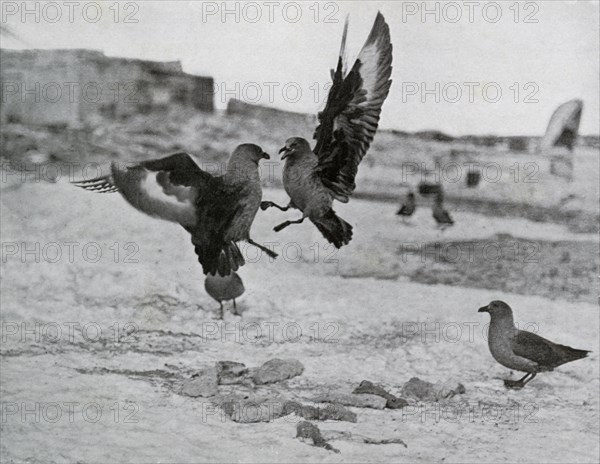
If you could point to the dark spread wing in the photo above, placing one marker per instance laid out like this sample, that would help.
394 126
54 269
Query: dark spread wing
349 121
165 188
174 188
537 349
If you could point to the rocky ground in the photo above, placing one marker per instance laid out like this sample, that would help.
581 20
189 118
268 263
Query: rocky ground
111 350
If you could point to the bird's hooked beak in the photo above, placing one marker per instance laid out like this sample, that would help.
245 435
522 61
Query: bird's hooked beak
286 152
266 156
483 309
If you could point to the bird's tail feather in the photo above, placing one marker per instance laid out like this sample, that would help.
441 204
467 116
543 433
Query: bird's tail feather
334 229
216 260
572 354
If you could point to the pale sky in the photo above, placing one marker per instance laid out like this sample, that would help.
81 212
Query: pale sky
284 50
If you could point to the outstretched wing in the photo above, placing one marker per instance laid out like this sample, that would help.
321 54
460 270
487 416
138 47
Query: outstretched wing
174 188
349 121
166 188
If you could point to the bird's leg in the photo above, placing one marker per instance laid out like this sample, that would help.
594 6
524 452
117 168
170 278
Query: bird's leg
283 225
270 253
529 379
267 204
220 310
235 308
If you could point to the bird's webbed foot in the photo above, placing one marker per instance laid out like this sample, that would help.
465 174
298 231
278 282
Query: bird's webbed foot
268 204
269 253
518 384
513 384
283 225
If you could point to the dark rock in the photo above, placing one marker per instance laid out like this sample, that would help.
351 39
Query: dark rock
330 412
307 431
276 370
392 402
365 400
247 410
419 389
231 372
396 403
369 387
203 383
426 391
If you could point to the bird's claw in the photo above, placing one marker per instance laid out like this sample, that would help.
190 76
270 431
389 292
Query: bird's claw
279 227
271 254
264 205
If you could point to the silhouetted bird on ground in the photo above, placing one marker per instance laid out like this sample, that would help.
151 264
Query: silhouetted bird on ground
441 216
521 350
224 288
216 211
409 206
347 125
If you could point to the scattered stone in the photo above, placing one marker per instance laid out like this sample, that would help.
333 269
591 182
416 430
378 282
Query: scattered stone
392 402
203 383
307 431
396 403
426 391
446 390
349 399
419 389
231 372
354 437
249 410
330 412
276 370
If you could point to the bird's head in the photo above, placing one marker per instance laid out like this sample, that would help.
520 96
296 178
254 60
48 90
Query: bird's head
497 308
249 151
293 146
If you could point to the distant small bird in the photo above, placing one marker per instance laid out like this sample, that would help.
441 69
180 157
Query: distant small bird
216 211
409 206
313 178
441 216
224 288
521 350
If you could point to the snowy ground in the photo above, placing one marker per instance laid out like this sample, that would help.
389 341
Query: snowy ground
361 313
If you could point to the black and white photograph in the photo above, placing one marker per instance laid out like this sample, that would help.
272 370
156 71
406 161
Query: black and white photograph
299 231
